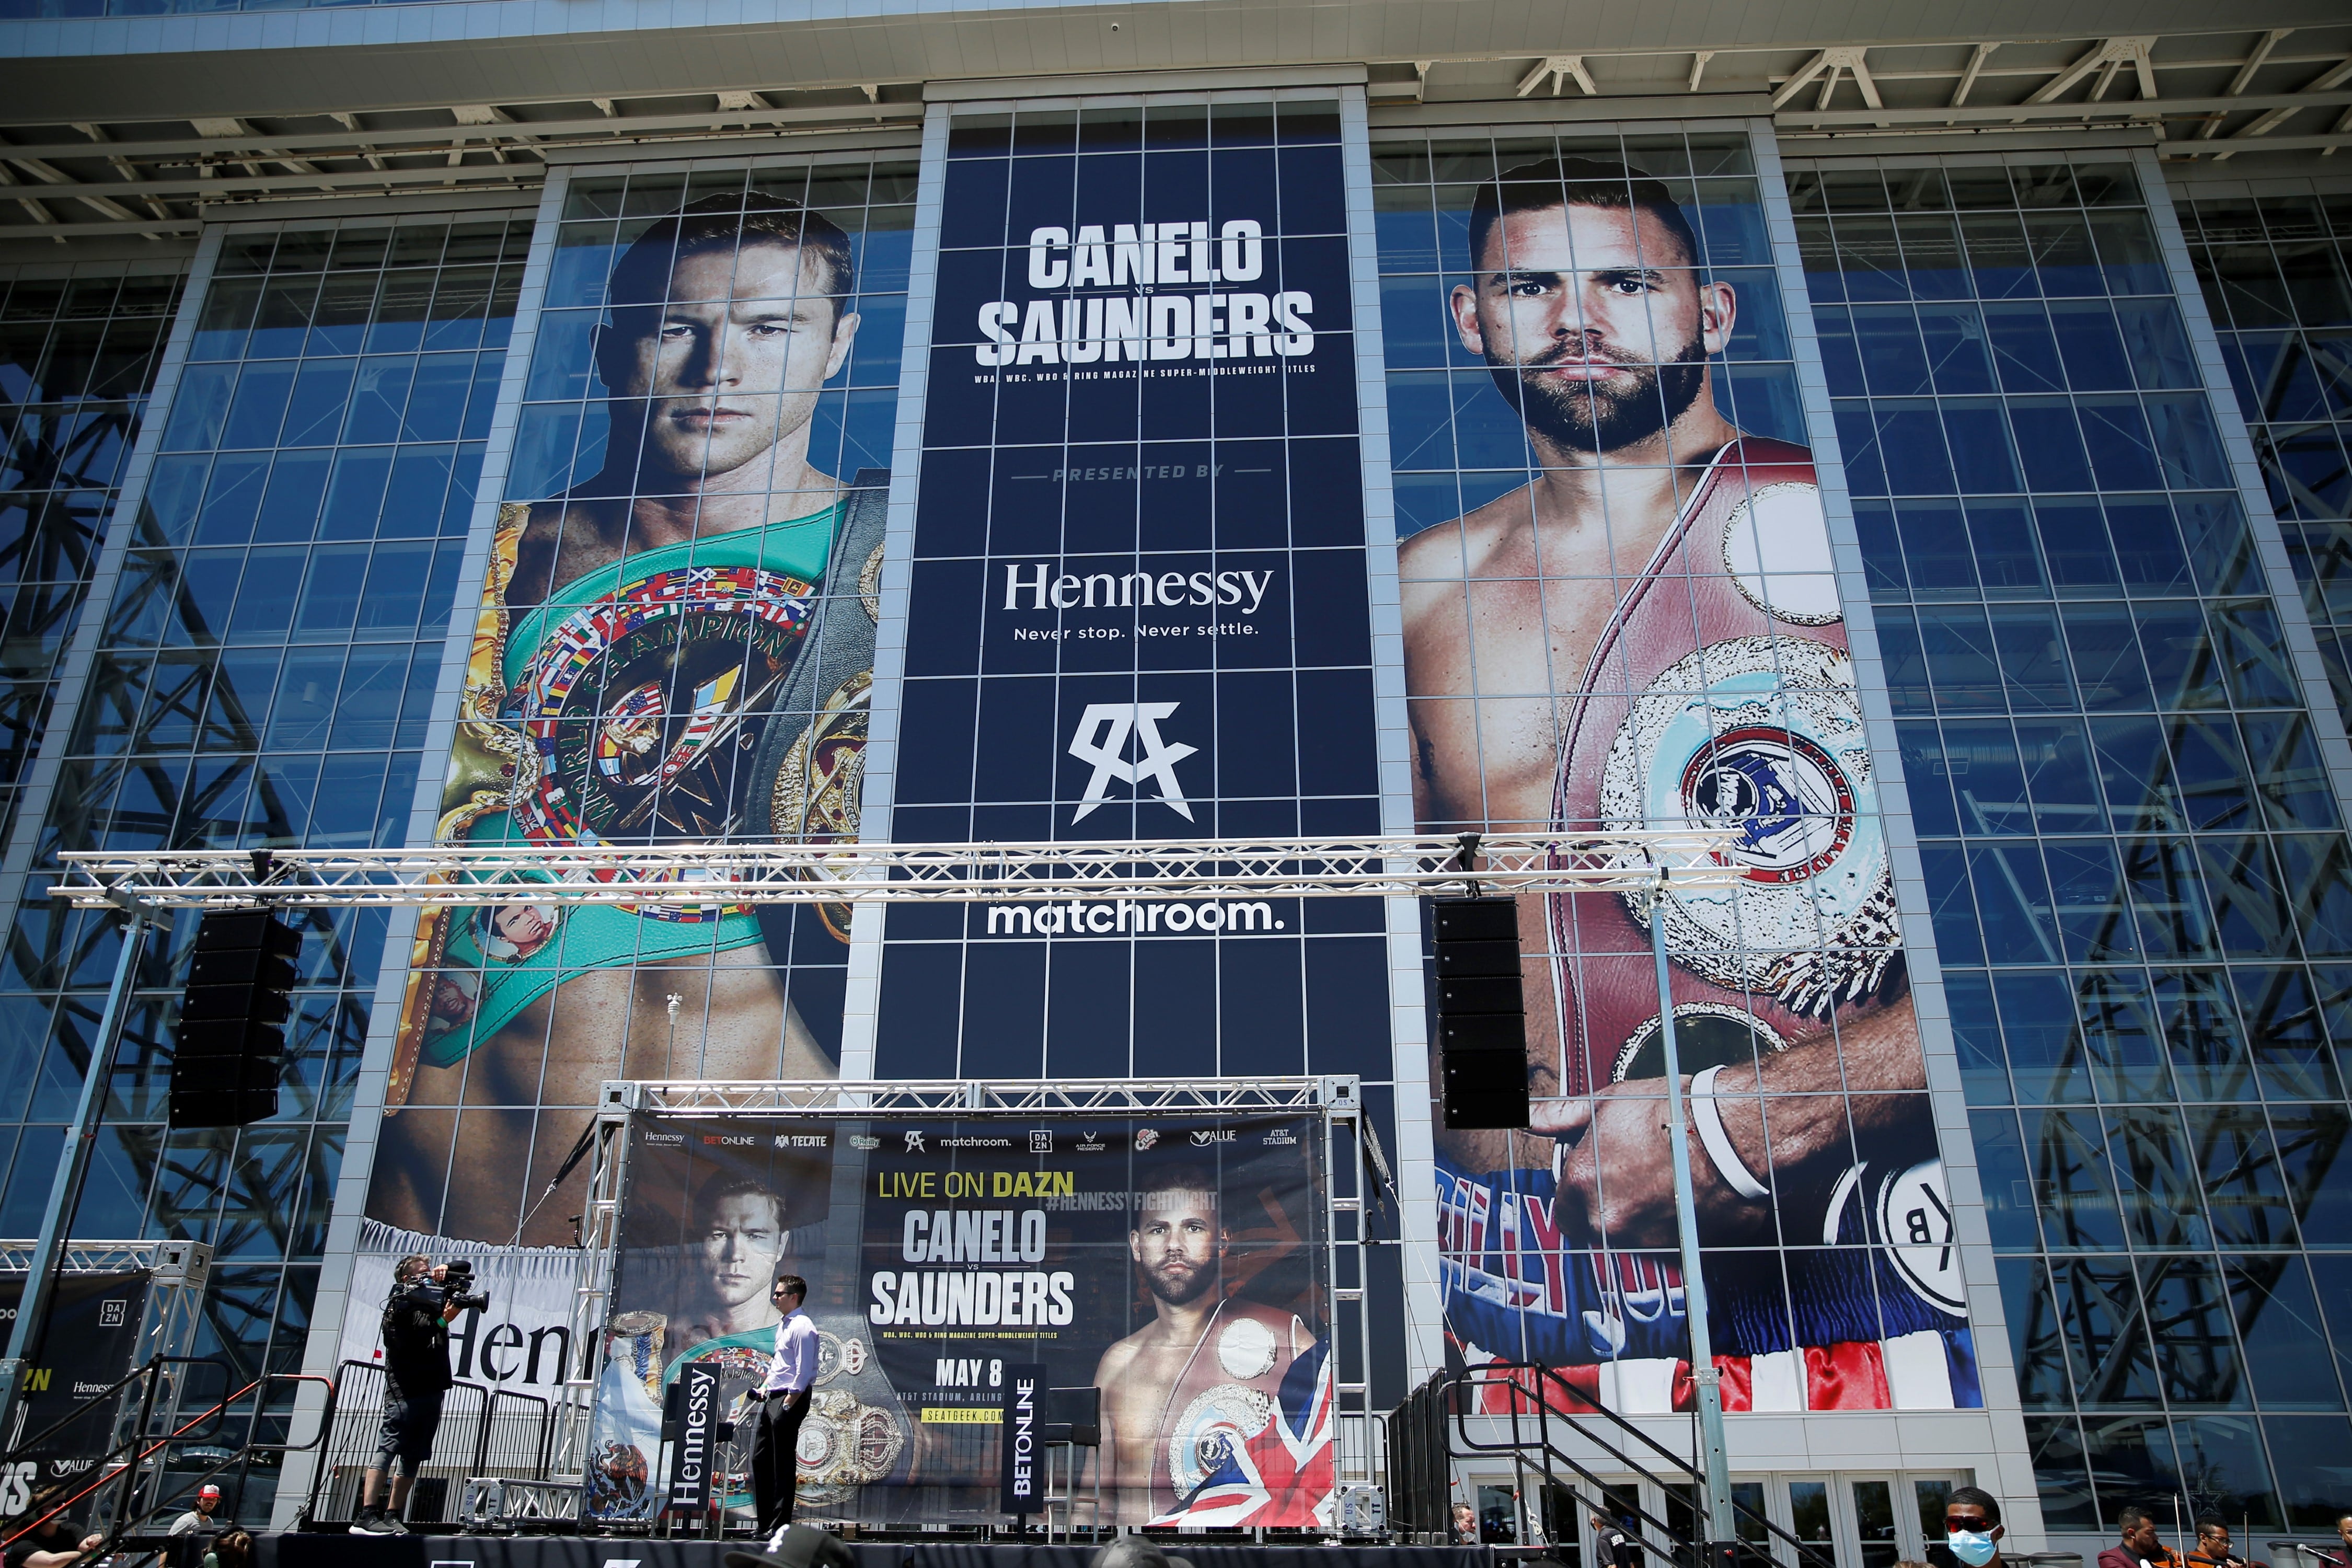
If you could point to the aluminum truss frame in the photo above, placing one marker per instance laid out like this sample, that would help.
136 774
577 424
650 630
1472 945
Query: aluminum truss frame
1371 866
1336 1100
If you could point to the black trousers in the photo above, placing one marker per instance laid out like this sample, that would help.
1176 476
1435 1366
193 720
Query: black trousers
775 1464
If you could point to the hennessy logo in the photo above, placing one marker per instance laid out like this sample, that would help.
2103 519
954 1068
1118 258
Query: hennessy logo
1115 722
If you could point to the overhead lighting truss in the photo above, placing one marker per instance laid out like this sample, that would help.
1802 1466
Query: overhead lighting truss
467 876
987 1097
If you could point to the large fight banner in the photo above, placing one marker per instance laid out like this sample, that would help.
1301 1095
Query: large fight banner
1178 1266
1138 603
674 642
1620 612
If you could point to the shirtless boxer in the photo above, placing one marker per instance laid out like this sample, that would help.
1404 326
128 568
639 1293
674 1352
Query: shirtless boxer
1554 663
656 651
1175 1389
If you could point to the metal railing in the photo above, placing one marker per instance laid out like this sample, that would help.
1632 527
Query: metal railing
120 1475
484 1432
1433 1428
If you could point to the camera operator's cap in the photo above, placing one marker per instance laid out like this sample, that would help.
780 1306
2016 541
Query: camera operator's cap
209 1491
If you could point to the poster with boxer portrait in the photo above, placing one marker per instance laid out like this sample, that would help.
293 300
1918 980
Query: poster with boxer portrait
673 644
1620 611
1171 1277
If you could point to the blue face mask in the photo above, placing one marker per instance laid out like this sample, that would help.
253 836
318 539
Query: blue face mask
1973 1547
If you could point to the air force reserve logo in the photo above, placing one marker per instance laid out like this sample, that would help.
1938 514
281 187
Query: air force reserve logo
1115 723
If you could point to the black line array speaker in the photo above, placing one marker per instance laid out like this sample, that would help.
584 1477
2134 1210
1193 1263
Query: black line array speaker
1481 1019
232 1021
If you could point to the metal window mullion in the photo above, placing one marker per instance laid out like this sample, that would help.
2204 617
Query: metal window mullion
1988 1323
72 673
2270 542
1416 1152
879 783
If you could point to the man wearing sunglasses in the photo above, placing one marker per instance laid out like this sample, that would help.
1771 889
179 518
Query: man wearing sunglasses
783 1402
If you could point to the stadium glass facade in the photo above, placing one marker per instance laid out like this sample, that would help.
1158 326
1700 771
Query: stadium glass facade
2133 849
2107 662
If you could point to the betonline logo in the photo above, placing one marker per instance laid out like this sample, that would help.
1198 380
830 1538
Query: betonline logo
1126 917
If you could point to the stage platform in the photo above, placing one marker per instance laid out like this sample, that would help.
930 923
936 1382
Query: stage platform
321 1550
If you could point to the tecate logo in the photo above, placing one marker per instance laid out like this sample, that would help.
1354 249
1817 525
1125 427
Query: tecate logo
802 1140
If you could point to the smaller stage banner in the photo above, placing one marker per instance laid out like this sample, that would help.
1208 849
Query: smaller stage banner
1181 1267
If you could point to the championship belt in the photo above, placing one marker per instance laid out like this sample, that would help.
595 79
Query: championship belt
1722 694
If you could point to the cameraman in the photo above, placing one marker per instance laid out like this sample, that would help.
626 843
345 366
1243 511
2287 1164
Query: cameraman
415 1375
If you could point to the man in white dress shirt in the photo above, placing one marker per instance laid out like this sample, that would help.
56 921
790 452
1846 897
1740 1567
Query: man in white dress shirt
783 1396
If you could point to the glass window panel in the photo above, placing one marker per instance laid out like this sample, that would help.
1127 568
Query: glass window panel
2122 452
2286 1345
2284 1025
2033 664
1950 906
2147 546
2024 349
1976 1035
1881 552
1911 437
396 578
1867 254
2106 1333
2127 253
2307 1466
1840 352
2196 1347
1857 432
1928 778
2090 345
2074 542
1894 360
2181 661
2211 772
1986 776
290 506
1957 645
2254 658
2049 444
2045 1047
2293 784
381 394
1935 545
2219 543
2250 907
2102 645
2121 1036
2014 898
1960 356
2009 561
1931 255
2136 774
2158 344
315 406
2331 1274
2186 440
2168 894
2245 1191
355 493
2320 882
1983 461
2311 1139
2061 1473
2086 879
1998 253
258 407
2225 1453
2010 1198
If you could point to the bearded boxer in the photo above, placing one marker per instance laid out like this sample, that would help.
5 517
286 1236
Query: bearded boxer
1207 1372
676 650
1648 634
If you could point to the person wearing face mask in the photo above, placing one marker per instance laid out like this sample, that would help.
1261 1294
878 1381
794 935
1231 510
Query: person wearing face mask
2139 1548
1972 1531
